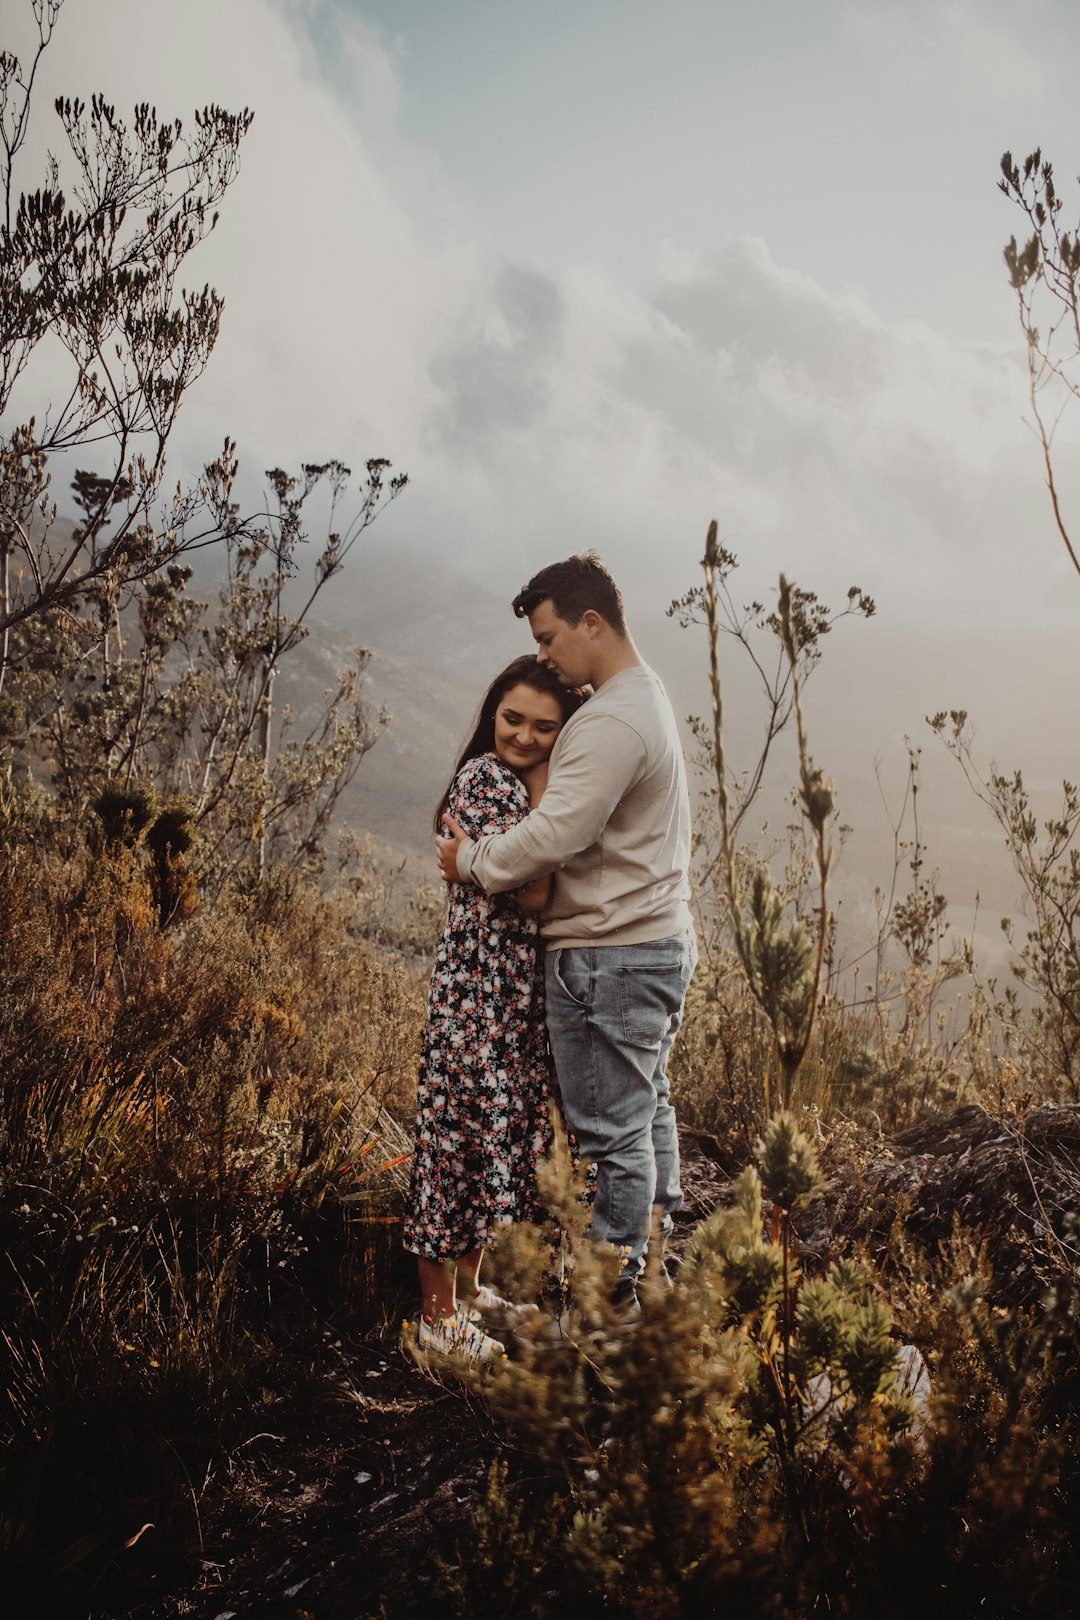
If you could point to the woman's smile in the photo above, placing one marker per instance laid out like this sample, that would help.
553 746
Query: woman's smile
527 723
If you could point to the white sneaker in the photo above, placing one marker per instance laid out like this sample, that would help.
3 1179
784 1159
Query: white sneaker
486 1299
458 1336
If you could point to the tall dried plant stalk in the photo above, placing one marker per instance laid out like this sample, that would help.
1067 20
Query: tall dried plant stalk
782 963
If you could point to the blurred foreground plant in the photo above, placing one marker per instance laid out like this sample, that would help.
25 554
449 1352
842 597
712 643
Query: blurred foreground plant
702 1449
760 1441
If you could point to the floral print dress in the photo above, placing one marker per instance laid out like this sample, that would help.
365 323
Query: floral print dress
486 1079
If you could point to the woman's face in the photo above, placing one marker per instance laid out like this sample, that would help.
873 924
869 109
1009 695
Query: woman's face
527 723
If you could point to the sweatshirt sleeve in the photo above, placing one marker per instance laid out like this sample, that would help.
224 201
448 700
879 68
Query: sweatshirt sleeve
599 762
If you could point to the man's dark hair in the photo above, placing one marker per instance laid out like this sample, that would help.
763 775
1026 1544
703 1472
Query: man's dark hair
573 587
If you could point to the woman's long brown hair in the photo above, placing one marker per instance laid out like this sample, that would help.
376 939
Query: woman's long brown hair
524 671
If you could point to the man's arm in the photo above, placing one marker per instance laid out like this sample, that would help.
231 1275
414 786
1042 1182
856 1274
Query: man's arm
534 895
599 762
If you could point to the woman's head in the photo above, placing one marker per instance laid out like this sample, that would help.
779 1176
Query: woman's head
519 719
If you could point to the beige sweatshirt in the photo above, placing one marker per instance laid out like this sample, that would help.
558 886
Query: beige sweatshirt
613 824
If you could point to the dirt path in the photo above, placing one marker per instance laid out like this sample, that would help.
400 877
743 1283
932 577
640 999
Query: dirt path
340 1507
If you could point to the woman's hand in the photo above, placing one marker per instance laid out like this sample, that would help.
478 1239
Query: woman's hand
534 895
446 849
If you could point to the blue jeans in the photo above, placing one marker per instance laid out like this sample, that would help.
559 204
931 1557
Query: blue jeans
613 1012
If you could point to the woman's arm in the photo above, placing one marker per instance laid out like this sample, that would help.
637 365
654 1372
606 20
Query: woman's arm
535 780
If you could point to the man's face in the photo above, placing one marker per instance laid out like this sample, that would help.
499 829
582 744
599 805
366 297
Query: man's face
566 649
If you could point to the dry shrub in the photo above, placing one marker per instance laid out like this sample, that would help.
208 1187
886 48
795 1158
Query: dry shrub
181 1109
857 1066
712 1458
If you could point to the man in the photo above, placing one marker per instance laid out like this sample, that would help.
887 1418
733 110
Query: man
614 827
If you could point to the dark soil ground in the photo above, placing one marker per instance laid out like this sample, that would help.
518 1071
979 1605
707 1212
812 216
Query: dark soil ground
343 1506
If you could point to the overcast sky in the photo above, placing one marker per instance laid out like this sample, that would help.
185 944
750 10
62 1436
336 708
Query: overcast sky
597 271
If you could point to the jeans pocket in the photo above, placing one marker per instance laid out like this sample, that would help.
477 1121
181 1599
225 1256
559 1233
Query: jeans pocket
650 998
572 975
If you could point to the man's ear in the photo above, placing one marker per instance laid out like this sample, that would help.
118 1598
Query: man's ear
593 621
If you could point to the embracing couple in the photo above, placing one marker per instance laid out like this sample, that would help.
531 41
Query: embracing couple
564 837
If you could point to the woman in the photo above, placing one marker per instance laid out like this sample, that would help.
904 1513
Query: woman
485 1074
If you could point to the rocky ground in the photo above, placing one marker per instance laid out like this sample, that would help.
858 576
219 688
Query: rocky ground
1012 1180
366 1471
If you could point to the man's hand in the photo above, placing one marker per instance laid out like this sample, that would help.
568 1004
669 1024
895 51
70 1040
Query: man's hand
446 849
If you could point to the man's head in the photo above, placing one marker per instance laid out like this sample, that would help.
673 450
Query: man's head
575 586
575 612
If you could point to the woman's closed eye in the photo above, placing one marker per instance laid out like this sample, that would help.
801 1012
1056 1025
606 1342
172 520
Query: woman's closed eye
544 726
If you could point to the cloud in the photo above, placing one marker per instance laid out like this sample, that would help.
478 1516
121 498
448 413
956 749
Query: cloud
975 45
827 442
496 375
374 307
740 304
